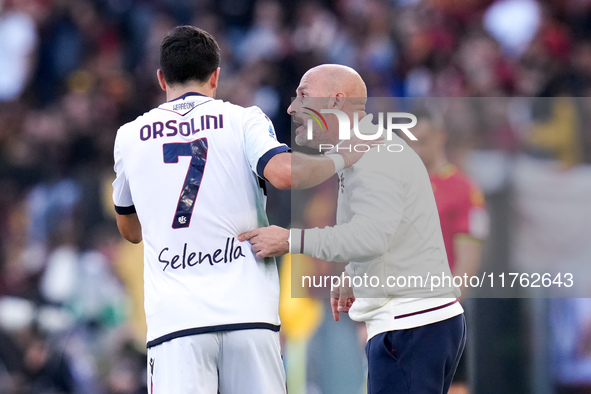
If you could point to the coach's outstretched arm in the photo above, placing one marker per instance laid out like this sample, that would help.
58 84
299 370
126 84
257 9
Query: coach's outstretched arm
301 171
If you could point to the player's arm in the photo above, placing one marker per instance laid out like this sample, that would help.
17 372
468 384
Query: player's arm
127 220
298 170
130 227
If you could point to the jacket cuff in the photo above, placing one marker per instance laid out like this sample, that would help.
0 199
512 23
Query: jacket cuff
295 243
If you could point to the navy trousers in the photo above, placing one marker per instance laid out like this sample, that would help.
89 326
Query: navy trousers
419 360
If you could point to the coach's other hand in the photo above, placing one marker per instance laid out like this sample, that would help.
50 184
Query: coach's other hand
341 300
267 241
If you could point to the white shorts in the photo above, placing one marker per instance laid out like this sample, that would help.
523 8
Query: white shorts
228 362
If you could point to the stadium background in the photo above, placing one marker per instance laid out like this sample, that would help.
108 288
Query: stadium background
73 71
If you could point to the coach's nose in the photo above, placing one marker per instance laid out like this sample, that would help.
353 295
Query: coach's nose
294 106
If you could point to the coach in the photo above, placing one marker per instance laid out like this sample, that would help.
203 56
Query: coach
387 225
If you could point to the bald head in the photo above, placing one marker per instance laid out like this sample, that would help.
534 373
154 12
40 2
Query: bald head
331 79
331 87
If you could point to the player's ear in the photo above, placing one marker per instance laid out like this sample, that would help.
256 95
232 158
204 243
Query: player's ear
161 79
214 78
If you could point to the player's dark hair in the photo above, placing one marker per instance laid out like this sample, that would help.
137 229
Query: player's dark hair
188 53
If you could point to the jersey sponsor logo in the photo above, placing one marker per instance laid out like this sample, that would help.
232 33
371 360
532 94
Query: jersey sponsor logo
172 128
187 259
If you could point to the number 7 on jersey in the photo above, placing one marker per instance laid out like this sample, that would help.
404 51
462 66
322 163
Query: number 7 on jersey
198 151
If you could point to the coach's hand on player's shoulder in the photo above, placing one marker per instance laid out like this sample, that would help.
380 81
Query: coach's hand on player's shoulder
269 241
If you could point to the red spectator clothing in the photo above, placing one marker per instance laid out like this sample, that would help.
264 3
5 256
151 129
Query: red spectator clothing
461 206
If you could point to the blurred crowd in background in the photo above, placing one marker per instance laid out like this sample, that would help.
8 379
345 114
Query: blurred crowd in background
73 71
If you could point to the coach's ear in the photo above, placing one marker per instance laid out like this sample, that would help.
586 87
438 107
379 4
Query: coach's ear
337 101
161 79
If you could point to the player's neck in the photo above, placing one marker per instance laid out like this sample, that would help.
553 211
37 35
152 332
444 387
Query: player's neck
176 91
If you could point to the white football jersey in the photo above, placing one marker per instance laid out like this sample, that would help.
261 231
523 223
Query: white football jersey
190 169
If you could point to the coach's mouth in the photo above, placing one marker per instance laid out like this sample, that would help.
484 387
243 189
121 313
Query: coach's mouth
298 122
